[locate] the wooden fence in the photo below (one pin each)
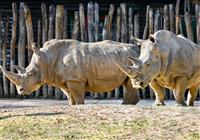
(119, 24)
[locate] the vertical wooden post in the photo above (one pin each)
(130, 24)
(1, 84)
(146, 28)
(90, 16)
(105, 32)
(188, 24)
(37, 93)
(75, 31)
(151, 31)
(171, 17)
(157, 21)
(177, 16)
(82, 23)
(109, 25)
(59, 35)
(136, 25)
(51, 30)
(96, 25)
(118, 26)
(197, 9)
(166, 17)
(22, 37)
(65, 36)
(4, 52)
(44, 39)
(13, 45)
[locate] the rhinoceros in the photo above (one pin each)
(166, 60)
(76, 67)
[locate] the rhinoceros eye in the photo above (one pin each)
(29, 74)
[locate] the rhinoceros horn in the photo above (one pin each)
(19, 69)
(10, 75)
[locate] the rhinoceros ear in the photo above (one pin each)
(36, 50)
(19, 69)
(151, 38)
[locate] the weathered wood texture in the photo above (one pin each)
(177, 16)
(146, 28)
(157, 20)
(1, 84)
(166, 17)
(82, 23)
(124, 22)
(197, 11)
(171, 17)
(151, 19)
(75, 32)
(130, 24)
(13, 46)
(188, 24)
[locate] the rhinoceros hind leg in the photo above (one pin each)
(192, 96)
(159, 93)
(179, 90)
(78, 91)
(132, 95)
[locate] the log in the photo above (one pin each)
(151, 19)
(52, 13)
(37, 93)
(146, 28)
(105, 32)
(124, 22)
(82, 23)
(44, 39)
(177, 16)
(13, 46)
(197, 11)
(110, 18)
(65, 36)
(118, 26)
(59, 35)
(4, 52)
(1, 84)
(130, 24)
(171, 17)
(75, 31)
(166, 17)
(90, 16)
(188, 24)
(136, 25)
(157, 21)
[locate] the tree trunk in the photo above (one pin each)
(197, 9)
(1, 84)
(13, 46)
(151, 31)
(44, 39)
(65, 36)
(37, 93)
(171, 17)
(75, 31)
(52, 13)
(59, 35)
(5, 45)
(146, 28)
(177, 16)
(136, 25)
(109, 25)
(90, 16)
(124, 23)
(130, 24)
(166, 17)
(157, 21)
(188, 24)
(82, 23)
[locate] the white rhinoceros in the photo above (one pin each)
(166, 60)
(76, 67)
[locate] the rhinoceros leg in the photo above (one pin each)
(179, 90)
(78, 91)
(159, 93)
(70, 98)
(132, 95)
(192, 96)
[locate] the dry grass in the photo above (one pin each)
(100, 122)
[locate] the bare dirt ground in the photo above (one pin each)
(97, 119)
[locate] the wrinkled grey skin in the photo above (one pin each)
(76, 67)
(167, 60)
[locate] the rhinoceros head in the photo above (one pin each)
(147, 66)
(27, 79)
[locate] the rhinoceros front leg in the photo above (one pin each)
(132, 95)
(70, 98)
(159, 93)
(179, 90)
(77, 90)
(192, 96)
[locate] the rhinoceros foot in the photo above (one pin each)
(159, 103)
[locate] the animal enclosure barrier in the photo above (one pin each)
(120, 24)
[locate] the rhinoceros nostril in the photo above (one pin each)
(21, 89)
